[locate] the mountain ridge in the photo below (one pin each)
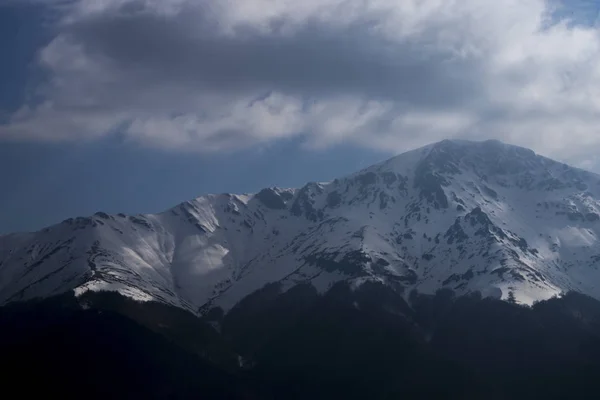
(470, 216)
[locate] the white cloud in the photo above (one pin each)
(217, 75)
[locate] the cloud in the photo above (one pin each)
(220, 75)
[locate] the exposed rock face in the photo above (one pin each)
(271, 199)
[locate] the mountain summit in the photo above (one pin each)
(469, 216)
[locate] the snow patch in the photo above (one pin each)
(102, 286)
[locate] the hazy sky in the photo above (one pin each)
(136, 105)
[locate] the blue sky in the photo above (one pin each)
(136, 105)
(45, 183)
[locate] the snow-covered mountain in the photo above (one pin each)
(469, 216)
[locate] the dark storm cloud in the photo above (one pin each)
(316, 59)
(216, 75)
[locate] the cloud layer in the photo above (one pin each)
(220, 75)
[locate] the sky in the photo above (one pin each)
(136, 105)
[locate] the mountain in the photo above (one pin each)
(461, 270)
(481, 217)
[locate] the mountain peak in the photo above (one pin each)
(484, 158)
(487, 150)
(447, 147)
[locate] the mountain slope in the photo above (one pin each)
(104, 353)
(469, 216)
